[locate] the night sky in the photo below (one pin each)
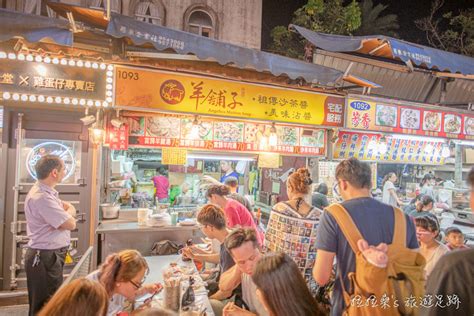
(280, 12)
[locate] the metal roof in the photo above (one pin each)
(392, 48)
(398, 81)
(34, 28)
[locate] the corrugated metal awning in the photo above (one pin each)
(34, 28)
(388, 47)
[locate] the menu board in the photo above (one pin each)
(364, 146)
(174, 156)
(117, 138)
(176, 130)
(379, 116)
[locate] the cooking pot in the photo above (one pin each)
(110, 211)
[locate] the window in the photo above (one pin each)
(200, 23)
(150, 12)
(115, 5)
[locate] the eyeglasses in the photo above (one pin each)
(136, 285)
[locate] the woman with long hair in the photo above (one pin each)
(79, 298)
(236, 213)
(427, 229)
(389, 193)
(122, 274)
(281, 288)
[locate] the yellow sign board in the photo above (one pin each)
(173, 156)
(174, 92)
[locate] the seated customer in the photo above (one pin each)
(211, 219)
(281, 288)
(243, 246)
(122, 275)
(424, 207)
(455, 239)
(79, 298)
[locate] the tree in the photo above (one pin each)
(454, 33)
(373, 23)
(327, 16)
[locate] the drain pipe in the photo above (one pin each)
(14, 225)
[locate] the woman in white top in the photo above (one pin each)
(389, 195)
(427, 229)
(122, 275)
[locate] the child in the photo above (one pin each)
(455, 239)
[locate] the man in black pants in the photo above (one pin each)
(49, 222)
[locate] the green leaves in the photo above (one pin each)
(327, 16)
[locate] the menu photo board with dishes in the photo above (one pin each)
(366, 146)
(384, 117)
(175, 130)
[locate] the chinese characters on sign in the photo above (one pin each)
(211, 96)
(381, 117)
(55, 80)
(172, 130)
(158, 39)
(117, 138)
(174, 156)
(367, 147)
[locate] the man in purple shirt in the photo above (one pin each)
(49, 222)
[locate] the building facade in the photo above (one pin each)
(234, 21)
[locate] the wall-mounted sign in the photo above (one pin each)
(52, 80)
(117, 138)
(382, 116)
(174, 130)
(367, 147)
(195, 94)
(50, 148)
(174, 156)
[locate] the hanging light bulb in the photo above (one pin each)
(273, 139)
(263, 144)
(429, 148)
(195, 128)
(97, 135)
(445, 152)
(382, 146)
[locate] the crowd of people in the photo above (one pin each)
(312, 259)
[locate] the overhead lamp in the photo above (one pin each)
(88, 119)
(195, 128)
(116, 122)
(97, 135)
(429, 148)
(464, 142)
(445, 152)
(263, 144)
(273, 139)
(382, 146)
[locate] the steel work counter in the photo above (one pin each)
(113, 236)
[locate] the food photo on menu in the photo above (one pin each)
(452, 124)
(386, 115)
(410, 118)
(432, 121)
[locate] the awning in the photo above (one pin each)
(224, 53)
(388, 47)
(162, 38)
(34, 28)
